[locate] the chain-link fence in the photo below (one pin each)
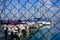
(44, 10)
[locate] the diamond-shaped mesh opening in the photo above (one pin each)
(44, 10)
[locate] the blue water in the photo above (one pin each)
(43, 34)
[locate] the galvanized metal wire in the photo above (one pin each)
(49, 10)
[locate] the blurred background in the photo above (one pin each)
(33, 10)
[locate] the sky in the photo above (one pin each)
(21, 9)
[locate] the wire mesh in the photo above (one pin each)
(48, 10)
